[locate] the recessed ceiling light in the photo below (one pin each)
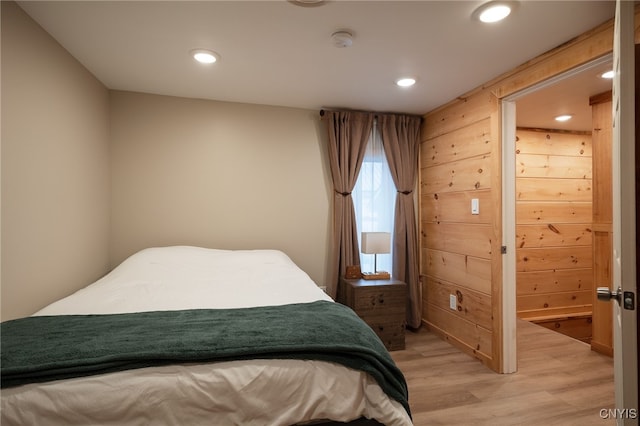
(406, 82)
(205, 56)
(608, 74)
(493, 11)
(565, 117)
(307, 3)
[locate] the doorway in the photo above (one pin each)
(549, 281)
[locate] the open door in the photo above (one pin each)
(623, 294)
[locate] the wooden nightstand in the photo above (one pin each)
(381, 304)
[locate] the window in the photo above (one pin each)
(374, 198)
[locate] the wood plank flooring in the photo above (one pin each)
(560, 381)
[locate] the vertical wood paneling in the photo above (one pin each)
(602, 340)
(602, 137)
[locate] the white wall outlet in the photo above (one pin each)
(453, 302)
(475, 206)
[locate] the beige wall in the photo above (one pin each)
(90, 176)
(55, 175)
(221, 175)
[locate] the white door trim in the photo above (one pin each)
(509, 335)
(625, 344)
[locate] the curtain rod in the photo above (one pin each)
(376, 115)
(322, 112)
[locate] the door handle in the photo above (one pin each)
(627, 299)
(605, 294)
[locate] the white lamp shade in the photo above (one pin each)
(376, 242)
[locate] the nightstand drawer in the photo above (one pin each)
(385, 299)
(391, 333)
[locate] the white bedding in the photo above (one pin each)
(173, 278)
(225, 393)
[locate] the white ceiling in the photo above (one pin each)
(275, 52)
(570, 95)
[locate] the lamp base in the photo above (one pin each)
(379, 275)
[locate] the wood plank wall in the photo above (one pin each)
(554, 250)
(461, 159)
(602, 332)
(456, 166)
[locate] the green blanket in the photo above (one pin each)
(37, 349)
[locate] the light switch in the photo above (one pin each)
(475, 206)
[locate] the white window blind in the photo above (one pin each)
(374, 198)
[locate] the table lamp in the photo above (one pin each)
(376, 243)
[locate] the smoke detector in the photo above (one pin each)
(342, 39)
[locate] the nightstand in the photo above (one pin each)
(381, 304)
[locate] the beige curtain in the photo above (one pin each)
(400, 139)
(348, 136)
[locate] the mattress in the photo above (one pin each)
(245, 392)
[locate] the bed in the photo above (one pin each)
(187, 335)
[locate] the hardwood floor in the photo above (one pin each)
(560, 381)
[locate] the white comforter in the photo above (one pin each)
(257, 392)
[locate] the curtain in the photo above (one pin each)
(400, 138)
(348, 136)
